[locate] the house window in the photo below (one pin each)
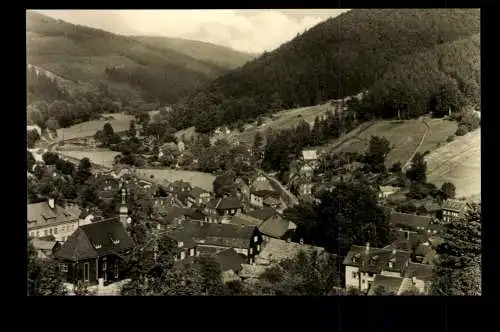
(370, 274)
(191, 252)
(104, 266)
(116, 271)
(363, 281)
(251, 251)
(354, 275)
(390, 265)
(86, 271)
(61, 229)
(55, 230)
(63, 268)
(64, 238)
(183, 255)
(258, 248)
(50, 231)
(255, 238)
(45, 232)
(37, 234)
(407, 235)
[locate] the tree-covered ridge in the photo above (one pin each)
(221, 56)
(336, 58)
(446, 77)
(82, 54)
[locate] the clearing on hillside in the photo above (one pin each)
(458, 162)
(120, 123)
(405, 137)
(103, 157)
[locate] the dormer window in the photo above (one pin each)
(115, 242)
(98, 246)
(391, 265)
(180, 244)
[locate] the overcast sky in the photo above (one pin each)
(251, 30)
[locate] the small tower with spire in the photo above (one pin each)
(123, 206)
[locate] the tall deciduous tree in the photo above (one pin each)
(44, 277)
(448, 190)
(458, 265)
(418, 169)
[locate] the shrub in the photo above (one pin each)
(450, 138)
(462, 130)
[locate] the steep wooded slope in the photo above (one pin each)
(221, 56)
(84, 54)
(336, 58)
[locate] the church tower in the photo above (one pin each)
(124, 218)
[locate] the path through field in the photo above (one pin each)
(459, 162)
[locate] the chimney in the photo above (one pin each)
(367, 248)
(52, 203)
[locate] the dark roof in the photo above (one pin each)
(420, 271)
(270, 201)
(390, 284)
(377, 259)
(225, 203)
(170, 213)
(454, 205)
(41, 214)
(414, 238)
(245, 220)
(96, 240)
(230, 260)
(196, 192)
(265, 193)
(263, 214)
(197, 214)
(182, 236)
(180, 184)
(183, 196)
(409, 220)
(274, 227)
(225, 235)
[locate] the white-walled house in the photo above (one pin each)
(362, 264)
(47, 218)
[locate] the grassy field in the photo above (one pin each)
(121, 122)
(102, 157)
(439, 131)
(458, 162)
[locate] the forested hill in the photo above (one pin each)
(444, 78)
(336, 58)
(221, 56)
(84, 54)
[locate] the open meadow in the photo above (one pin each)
(121, 122)
(459, 162)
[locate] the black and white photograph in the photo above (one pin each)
(253, 152)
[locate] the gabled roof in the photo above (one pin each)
(274, 227)
(182, 237)
(390, 284)
(263, 214)
(245, 220)
(196, 192)
(225, 203)
(96, 240)
(224, 235)
(454, 205)
(376, 260)
(170, 213)
(43, 245)
(230, 260)
(41, 214)
(420, 271)
(409, 220)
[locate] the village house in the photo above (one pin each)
(92, 254)
(245, 240)
(48, 218)
(185, 245)
(272, 224)
(310, 158)
(198, 196)
(453, 208)
(220, 210)
(261, 198)
(409, 222)
(178, 187)
(44, 249)
(172, 215)
(362, 264)
(385, 191)
(421, 276)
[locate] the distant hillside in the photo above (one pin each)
(84, 54)
(338, 57)
(221, 56)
